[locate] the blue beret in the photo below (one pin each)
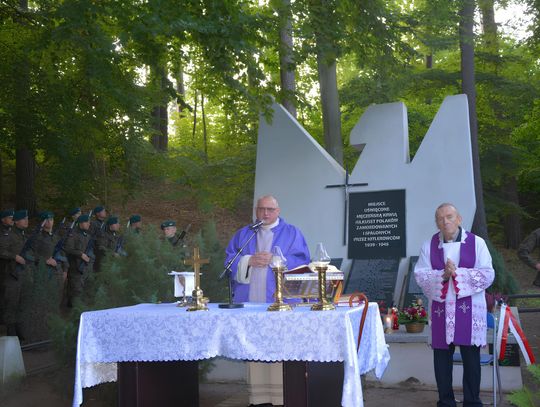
(46, 215)
(20, 214)
(83, 218)
(135, 218)
(168, 223)
(99, 208)
(74, 211)
(6, 213)
(113, 220)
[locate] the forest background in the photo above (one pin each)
(153, 106)
(102, 99)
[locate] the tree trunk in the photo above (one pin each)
(205, 140)
(160, 123)
(512, 220)
(194, 121)
(489, 26)
(330, 106)
(25, 178)
(181, 90)
(466, 44)
(286, 63)
(25, 164)
(1, 182)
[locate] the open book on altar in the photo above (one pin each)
(303, 282)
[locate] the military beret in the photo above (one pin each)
(46, 215)
(99, 208)
(83, 218)
(20, 214)
(168, 223)
(113, 220)
(74, 211)
(134, 218)
(6, 213)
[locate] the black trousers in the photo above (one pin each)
(443, 364)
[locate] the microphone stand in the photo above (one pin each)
(228, 272)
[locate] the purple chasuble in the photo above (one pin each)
(286, 236)
(463, 318)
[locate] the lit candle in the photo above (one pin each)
(388, 324)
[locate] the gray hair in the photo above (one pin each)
(269, 197)
(444, 205)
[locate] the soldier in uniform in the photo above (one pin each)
(44, 245)
(12, 251)
(98, 223)
(169, 232)
(109, 240)
(97, 227)
(135, 223)
(75, 247)
(6, 223)
(67, 226)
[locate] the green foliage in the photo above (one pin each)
(139, 277)
(527, 397)
(40, 299)
(210, 248)
(505, 282)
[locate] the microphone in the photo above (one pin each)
(256, 225)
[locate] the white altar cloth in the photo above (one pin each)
(165, 332)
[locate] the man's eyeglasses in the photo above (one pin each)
(262, 209)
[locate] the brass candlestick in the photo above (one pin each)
(279, 305)
(198, 302)
(323, 304)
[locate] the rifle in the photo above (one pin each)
(119, 249)
(180, 237)
(27, 246)
(89, 251)
(60, 225)
(57, 253)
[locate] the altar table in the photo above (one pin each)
(165, 332)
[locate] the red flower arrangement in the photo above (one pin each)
(414, 313)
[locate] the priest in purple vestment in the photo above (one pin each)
(253, 280)
(453, 270)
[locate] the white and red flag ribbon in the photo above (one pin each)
(507, 321)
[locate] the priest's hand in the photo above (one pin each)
(261, 259)
(85, 257)
(449, 270)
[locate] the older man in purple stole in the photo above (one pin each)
(254, 281)
(457, 301)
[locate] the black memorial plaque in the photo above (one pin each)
(376, 278)
(411, 288)
(377, 225)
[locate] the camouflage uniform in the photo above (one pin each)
(4, 262)
(11, 246)
(108, 241)
(43, 246)
(96, 230)
(75, 246)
